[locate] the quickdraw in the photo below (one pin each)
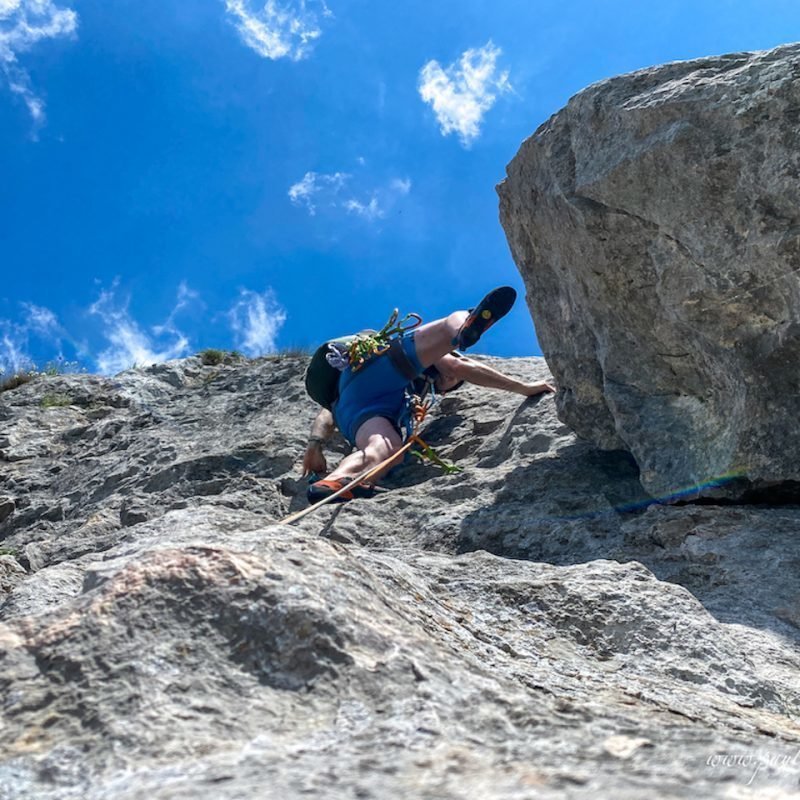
(419, 409)
(427, 453)
(366, 346)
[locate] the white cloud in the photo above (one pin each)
(129, 344)
(13, 344)
(401, 185)
(278, 30)
(369, 210)
(313, 185)
(185, 297)
(23, 24)
(256, 320)
(463, 92)
(40, 319)
(341, 190)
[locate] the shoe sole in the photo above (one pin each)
(362, 492)
(493, 307)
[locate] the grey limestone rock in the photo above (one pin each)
(533, 626)
(11, 573)
(6, 508)
(656, 223)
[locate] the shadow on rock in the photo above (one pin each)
(564, 509)
(586, 504)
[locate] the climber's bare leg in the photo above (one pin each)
(376, 440)
(435, 339)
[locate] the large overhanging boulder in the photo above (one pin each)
(656, 224)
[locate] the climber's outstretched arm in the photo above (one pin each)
(321, 430)
(465, 369)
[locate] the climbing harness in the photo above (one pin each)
(365, 346)
(357, 351)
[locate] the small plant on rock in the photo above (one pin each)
(50, 370)
(60, 367)
(16, 379)
(292, 351)
(213, 357)
(56, 400)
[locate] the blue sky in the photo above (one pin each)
(224, 173)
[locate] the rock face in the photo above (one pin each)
(656, 223)
(529, 627)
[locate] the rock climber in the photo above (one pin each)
(370, 404)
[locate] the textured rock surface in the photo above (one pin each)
(656, 222)
(525, 628)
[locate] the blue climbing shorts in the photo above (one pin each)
(376, 390)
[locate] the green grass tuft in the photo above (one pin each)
(292, 351)
(60, 367)
(213, 357)
(17, 379)
(295, 351)
(56, 400)
(50, 370)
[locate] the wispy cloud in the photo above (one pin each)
(185, 297)
(278, 30)
(129, 343)
(23, 24)
(13, 349)
(15, 337)
(463, 92)
(400, 185)
(370, 210)
(256, 320)
(343, 191)
(41, 320)
(312, 186)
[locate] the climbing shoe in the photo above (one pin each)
(493, 307)
(325, 488)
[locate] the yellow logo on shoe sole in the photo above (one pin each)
(486, 314)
